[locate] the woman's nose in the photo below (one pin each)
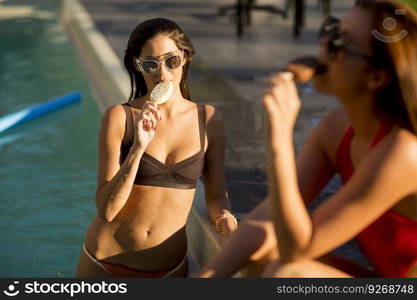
(164, 73)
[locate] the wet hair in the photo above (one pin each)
(141, 34)
(399, 98)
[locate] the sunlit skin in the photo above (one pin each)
(384, 178)
(143, 227)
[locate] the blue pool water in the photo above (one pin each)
(48, 166)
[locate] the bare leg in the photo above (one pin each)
(328, 265)
(253, 243)
(346, 265)
(412, 272)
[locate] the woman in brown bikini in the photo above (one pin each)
(150, 158)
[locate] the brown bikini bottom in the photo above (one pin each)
(124, 272)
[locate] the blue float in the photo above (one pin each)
(33, 112)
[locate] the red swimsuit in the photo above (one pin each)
(390, 242)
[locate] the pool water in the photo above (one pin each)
(48, 166)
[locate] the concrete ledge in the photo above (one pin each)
(204, 241)
(111, 85)
(110, 81)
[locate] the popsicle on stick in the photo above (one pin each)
(304, 68)
(162, 92)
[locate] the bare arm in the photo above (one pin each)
(251, 241)
(115, 181)
(217, 201)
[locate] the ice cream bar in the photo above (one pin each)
(304, 68)
(162, 92)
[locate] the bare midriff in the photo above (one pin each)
(148, 233)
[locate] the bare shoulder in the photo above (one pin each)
(393, 159)
(330, 130)
(214, 118)
(214, 125)
(113, 120)
(401, 145)
(213, 114)
(114, 112)
(406, 138)
(391, 166)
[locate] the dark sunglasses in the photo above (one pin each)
(330, 29)
(153, 65)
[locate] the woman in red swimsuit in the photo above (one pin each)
(150, 158)
(369, 61)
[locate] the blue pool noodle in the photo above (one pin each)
(38, 110)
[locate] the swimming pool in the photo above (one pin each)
(48, 166)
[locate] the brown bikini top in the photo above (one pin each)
(181, 175)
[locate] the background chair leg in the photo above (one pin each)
(325, 7)
(298, 17)
(240, 17)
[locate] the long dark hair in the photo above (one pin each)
(399, 56)
(140, 35)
